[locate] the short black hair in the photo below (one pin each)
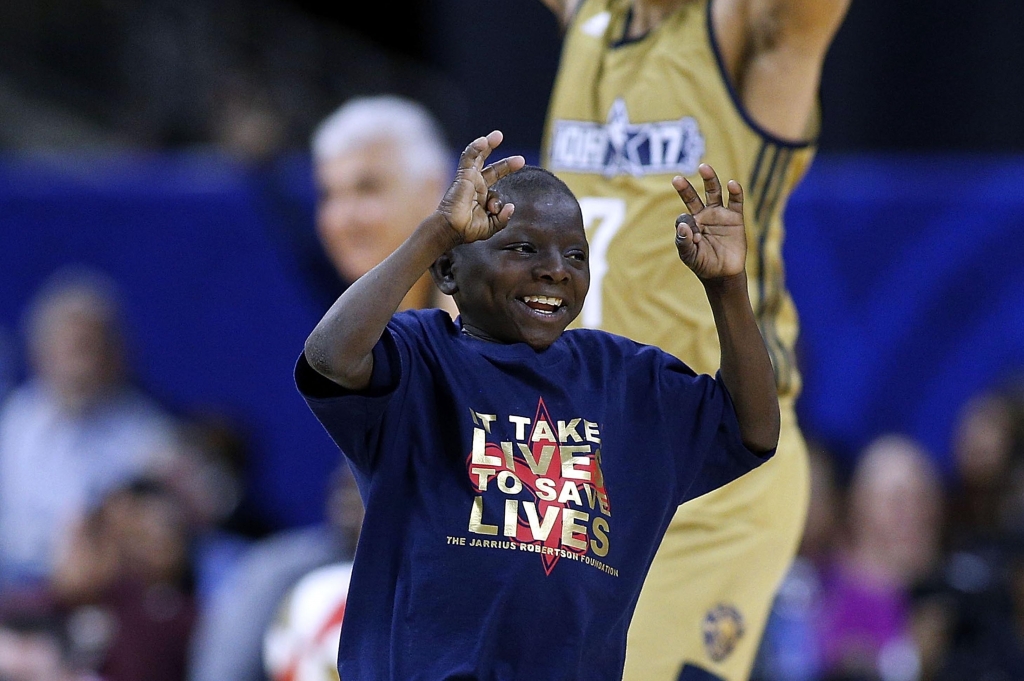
(530, 180)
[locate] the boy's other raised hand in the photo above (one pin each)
(711, 239)
(469, 207)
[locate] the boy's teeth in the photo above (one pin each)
(543, 300)
(543, 304)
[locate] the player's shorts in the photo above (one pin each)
(707, 598)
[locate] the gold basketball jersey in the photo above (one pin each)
(624, 118)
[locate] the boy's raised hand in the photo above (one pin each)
(472, 211)
(711, 239)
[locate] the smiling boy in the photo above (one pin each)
(518, 477)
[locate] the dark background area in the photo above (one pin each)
(901, 76)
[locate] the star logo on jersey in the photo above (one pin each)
(543, 489)
(624, 142)
(621, 147)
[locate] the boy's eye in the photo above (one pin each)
(520, 248)
(577, 255)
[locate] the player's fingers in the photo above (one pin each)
(688, 194)
(712, 187)
(735, 196)
(496, 171)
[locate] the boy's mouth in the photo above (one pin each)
(542, 304)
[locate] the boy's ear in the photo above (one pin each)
(441, 271)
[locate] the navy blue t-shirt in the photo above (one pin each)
(514, 498)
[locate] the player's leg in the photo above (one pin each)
(708, 595)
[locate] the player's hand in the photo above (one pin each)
(471, 209)
(710, 238)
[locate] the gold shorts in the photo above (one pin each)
(709, 592)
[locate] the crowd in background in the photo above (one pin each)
(131, 550)
(122, 521)
(904, 574)
(119, 517)
(129, 545)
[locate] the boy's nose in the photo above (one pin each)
(552, 268)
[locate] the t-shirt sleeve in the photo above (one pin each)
(354, 419)
(718, 442)
(696, 419)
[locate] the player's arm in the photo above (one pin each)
(711, 240)
(341, 346)
(773, 51)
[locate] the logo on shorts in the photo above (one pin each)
(723, 628)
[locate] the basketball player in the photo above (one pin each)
(647, 89)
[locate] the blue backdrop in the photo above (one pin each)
(909, 277)
(908, 272)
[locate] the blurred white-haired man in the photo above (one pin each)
(381, 165)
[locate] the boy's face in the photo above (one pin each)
(527, 282)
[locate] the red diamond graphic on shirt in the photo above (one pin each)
(537, 463)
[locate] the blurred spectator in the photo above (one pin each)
(127, 571)
(301, 643)
(985, 505)
(228, 643)
(893, 542)
(76, 428)
(972, 616)
(208, 473)
(36, 647)
(368, 205)
(360, 196)
(382, 164)
(979, 630)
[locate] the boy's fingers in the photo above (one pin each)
(506, 213)
(496, 171)
(686, 229)
(735, 196)
(491, 142)
(474, 155)
(688, 194)
(686, 225)
(494, 138)
(493, 204)
(712, 187)
(471, 154)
